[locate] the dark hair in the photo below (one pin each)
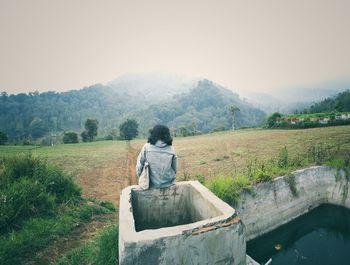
(160, 132)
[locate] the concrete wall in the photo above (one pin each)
(269, 205)
(177, 205)
(212, 232)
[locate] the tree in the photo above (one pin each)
(70, 138)
(3, 138)
(85, 137)
(272, 119)
(233, 110)
(129, 129)
(91, 126)
(37, 128)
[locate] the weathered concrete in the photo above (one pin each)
(270, 205)
(250, 261)
(182, 224)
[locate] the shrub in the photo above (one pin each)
(229, 188)
(128, 129)
(85, 137)
(319, 153)
(27, 142)
(70, 138)
(30, 187)
(3, 138)
(86, 212)
(262, 175)
(200, 178)
(107, 204)
(23, 199)
(283, 157)
(57, 182)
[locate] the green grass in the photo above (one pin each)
(226, 162)
(18, 246)
(39, 203)
(74, 158)
(229, 188)
(102, 250)
(315, 115)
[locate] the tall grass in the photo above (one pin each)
(228, 188)
(29, 187)
(38, 204)
(102, 250)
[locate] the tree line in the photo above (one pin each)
(37, 116)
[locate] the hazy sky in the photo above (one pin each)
(254, 45)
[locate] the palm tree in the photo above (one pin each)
(233, 110)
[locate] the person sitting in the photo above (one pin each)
(161, 157)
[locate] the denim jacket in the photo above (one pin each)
(162, 163)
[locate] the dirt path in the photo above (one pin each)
(105, 181)
(131, 165)
(80, 235)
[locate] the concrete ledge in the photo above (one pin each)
(201, 228)
(273, 204)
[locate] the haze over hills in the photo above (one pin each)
(289, 99)
(156, 86)
(153, 86)
(198, 106)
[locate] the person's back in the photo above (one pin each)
(160, 155)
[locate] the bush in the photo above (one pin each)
(86, 212)
(129, 129)
(27, 142)
(107, 204)
(229, 188)
(70, 138)
(262, 174)
(30, 187)
(85, 137)
(3, 138)
(23, 199)
(283, 157)
(57, 182)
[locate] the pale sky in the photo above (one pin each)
(247, 45)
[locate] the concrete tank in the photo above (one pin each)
(179, 225)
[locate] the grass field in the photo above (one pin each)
(222, 160)
(104, 168)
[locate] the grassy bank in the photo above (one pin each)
(101, 250)
(39, 204)
(104, 168)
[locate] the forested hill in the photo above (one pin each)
(203, 107)
(339, 103)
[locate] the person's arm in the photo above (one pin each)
(140, 161)
(174, 163)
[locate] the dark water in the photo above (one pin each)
(320, 237)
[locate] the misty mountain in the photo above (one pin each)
(201, 107)
(154, 86)
(287, 100)
(338, 103)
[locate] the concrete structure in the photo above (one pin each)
(187, 224)
(179, 225)
(272, 204)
